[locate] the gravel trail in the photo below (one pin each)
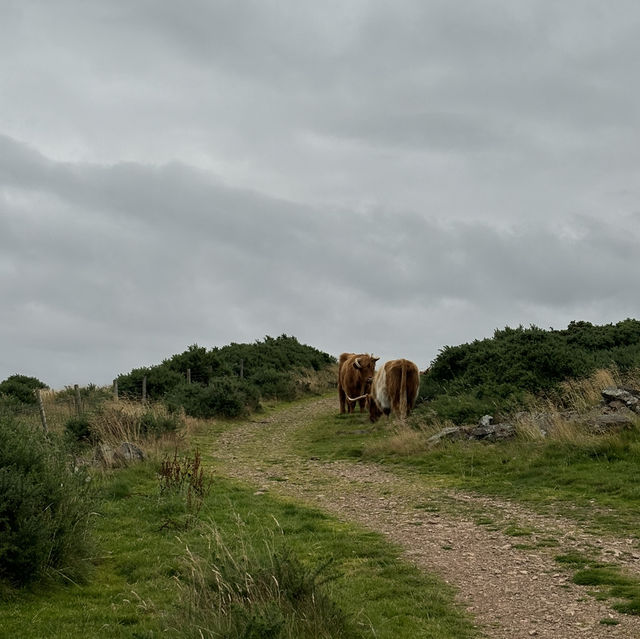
(511, 585)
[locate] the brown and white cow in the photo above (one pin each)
(394, 388)
(355, 373)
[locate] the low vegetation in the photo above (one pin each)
(585, 473)
(247, 566)
(500, 374)
(230, 381)
(20, 389)
(45, 507)
(608, 581)
(166, 548)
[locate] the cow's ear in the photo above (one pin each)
(374, 359)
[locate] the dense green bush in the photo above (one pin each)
(21, 387)
(274, 384)
(224, 396)
(496, 374)
(78, 428)
(266, 368)
(160, 380)
(44, 509)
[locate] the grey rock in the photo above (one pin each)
(451, 433)
(628, 396)
(612, 422)
(493, 432)
(127, 453)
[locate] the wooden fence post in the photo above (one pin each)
(115, 389)
(188, 376)
(241, 369)
(78, 400)
(144, 389)
(43, 417)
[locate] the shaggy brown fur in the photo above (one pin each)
(394, 388)
(355, 373)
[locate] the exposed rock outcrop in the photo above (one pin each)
(619, 410)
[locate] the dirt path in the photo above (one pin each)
(511, 585)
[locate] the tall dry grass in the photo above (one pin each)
(316, 382)
(581, 395)
(559, 416)
(257, 588)
(128, 421)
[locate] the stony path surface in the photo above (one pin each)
(512, 591)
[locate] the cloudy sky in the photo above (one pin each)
(388, 177)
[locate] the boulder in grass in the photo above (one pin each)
(128, 453)
(630, 397)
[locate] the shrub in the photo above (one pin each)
(496, 374)
(160, 380)
(21, 388)
(224, 396)
(78, 428)
(274, 384)
(272, 361)
(44, 509)
(132, 422)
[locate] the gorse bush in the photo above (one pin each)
(21, 388)
(274, 384)
(499, 373)
(78, 428)
(154, 424)
(44, 509)
(243, 372)
(224, 396)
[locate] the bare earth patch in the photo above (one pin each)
(510, 584)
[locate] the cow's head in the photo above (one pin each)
(366, 367)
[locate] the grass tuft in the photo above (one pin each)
(258, 588)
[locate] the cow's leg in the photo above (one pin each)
(343, 398)
(362, 403)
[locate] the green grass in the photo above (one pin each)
(141, 568)
(609, 580)
(339, 436)
(595, 481)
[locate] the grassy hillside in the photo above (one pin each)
(230, 381)
(499, 374)
(177, 554)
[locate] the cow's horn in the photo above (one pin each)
(355, 399)
(357, 363)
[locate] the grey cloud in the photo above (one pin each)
(171, 234)
(216, 172)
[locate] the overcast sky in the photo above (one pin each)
(386, 177)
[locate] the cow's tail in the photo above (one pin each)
(403, 391)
